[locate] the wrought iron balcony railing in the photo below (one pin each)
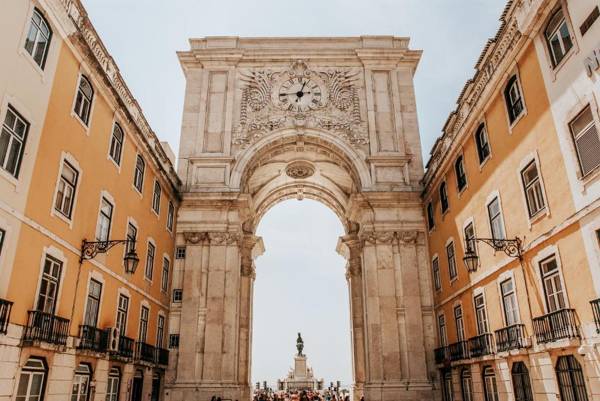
(42, 326)
(481, 345)
(162, 356)
(596, 309)
(145, 352)
(556, 326)
(5, 308)
(441, 355)
(511, 337)
(125, 348)
(92, 338)
(458, 351)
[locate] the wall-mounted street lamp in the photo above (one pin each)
(511, 247)
(89, 249)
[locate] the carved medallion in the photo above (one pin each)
(299, 170)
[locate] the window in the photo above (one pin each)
(470, 242)
(122, 311)
(180, 252)
(164, 283)
(444, 197)
(104, 220)
(466, 383)
(509, 302)
(81, 383)
(12, 141)
(442, 329)
(514, 99)
(533, 189)
(490, 389)
(177, 295)
(483, 145)
(170, 216)
(116, 144)
(32, 380)
(571, 381)
(521, 382)
(131, 237)
(430, 220)
(451, 260)
(156, 197)
(83, 100)
(174, 341)
(558, 37)
(553, 289)
(112, 387)
(65, 193)
(480, 314)
(447, 389)
(435, 266)
(495, 215)
(49, 285)
(138, 174)
(458, 320)
(587, 141)
(160, 331)
(461, 175)
(150, 261)
(38, 38)
(93, 303)
(143, 324)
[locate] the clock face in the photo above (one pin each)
(300, 94)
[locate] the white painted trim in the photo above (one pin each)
(488, 200)
(65, 156)
(592, 247)
(504, 276)
(543, 254)
(156, 212)
(150, 240)
(94, 275)
(133, 222)
(110, 136)
(105, 194)
(57, 254)
(84, 70)
(482, 121)
(514, 71)
(532, 157)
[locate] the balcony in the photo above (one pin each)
(145, 352)
(596, 309)
(92, 339)
(481, 345)
(125, 348)
(5, 307)
(511, 337)
(162, 356)
(42, 326)
(441, 355)
(458, 351)
(556, 326)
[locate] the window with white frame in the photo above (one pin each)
(490, 388)
(481, 314)
(180, 252)
(587, 140)
(81, 383)
(150, 261)
(116, 144)
(160, 331)
(156, 197)
(65, 192)
(164, 283)
(571, 380)
(138, 174)
(466, 382)
(143, 331)
(459, 323)
(442, 330)
(170, 216)
(509, 302)
(553, 288)
(93, 303)
(447, 390)
(122, 312)
(174, 341)
(48, 292)
(32, 380)
(450, 252)
(177, 295)
(532, 186)
(38, 38)
(435, 266)
(113, 384)
(558, 37)
(131, 237)
(496, 221)
(483, 144)
(104, 220)
(514, 99)
(470, 242)
(12, 141)
(444, 197)
(461, 175)
(83, 100)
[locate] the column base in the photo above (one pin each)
(401, 391)
(205, 391)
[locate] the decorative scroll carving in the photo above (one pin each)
(408, 237)
(223, 238)
(247, 243)
(299, 170)
(378, 237)
(261, 110)
(194, 237)
(354, 244)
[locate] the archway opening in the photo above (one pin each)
(301, 287)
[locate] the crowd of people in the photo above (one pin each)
(324, 395)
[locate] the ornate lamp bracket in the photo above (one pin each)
(89, 249)
(511, 247)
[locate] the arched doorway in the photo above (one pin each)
(356, 150)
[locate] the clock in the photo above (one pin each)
(300, 94)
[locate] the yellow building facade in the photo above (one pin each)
(513, 258)
(81, 317)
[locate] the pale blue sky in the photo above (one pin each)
(143, 36)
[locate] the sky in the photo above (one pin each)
(143, 36)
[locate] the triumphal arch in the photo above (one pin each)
(331, 119)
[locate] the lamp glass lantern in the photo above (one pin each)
(131, 261)
(471, 260)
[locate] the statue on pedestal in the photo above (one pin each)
(299, 345)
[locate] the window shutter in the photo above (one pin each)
(588, 148)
